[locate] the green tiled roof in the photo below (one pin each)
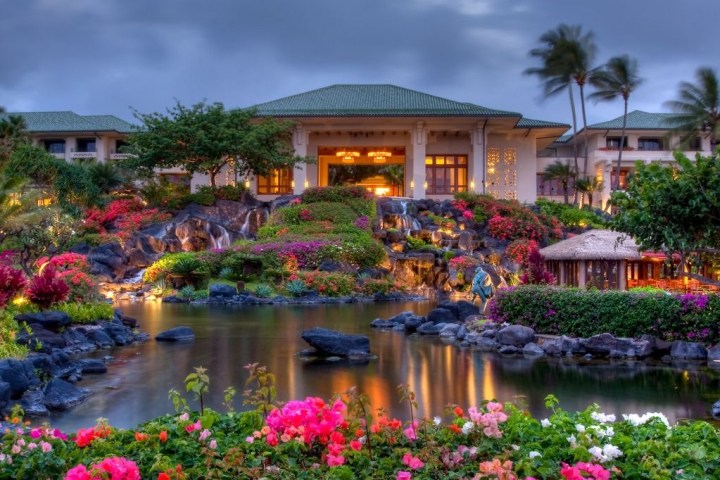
(39, 122)
(637, 120)
(532, 123)
(372, 101)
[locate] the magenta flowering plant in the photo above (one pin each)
(111, 468)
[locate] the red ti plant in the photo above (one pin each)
(47, 288)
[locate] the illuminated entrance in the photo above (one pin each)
(380, 170)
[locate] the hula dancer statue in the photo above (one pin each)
(482, 287)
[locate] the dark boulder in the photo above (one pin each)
(466, 309)
(222, 291)
(98, 336)
(50, 320)
(442, 315)
(383, 324)
(41, 339)
(688, 350)
(485, 344)
(428, 328)
(4, 394)
(714, 355)
(331, 342)
(452, 306)
(516, 335)
(19, 374)
(532, 350)
(61, 395)
(92, 365)
(118, 333)
(508, 350)
(605, 344)
(177, 334)
(174, 299)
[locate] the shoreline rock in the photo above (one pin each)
(45, 380)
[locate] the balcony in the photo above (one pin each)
(120, 156)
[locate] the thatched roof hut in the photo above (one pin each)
(597, 258)
(594, 245)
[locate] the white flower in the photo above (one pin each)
(545, 422)
(596, 452)
(437, 420)
(636, 419)
(572, 440)
(534, 454)
(515, 447)
(603, 432)
(580, 428)
(611, 452)
(602, 417)
(467, 427)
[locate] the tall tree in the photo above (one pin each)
(563, 173)
(566, 55)
(13, 132)
(618, 78)
(589, 186)
(674, 208)
(697, 108)
(205, 138)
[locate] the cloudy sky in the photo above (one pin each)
(108, 56)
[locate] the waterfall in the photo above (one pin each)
(254, 219)
(137, 278)
(218, 236)
(403, 204)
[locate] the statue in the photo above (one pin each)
(482, 287)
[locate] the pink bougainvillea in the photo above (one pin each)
(111, 468)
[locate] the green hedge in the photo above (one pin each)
(567, 311)
(335, 212)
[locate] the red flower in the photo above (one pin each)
(163, 436)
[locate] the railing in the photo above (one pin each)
(674, 285)
(120, 156)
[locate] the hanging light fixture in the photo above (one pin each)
(379, 156)
(348, 156)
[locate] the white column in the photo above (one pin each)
(70, 147)
(100, 149)
(477, 159)
(300, 145)
(419, 148)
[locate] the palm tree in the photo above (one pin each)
(698, 107)
(561, 172)
(618, 78)
(588, 186)
(567, 56)
(395, 176)
(13, 131)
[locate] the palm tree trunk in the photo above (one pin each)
(584, 119)
(622, 145)
(574, 122)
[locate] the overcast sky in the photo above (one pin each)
(106, 56)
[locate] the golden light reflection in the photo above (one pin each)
(488, 391)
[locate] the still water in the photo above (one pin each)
(139, 376)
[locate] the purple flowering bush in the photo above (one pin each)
(569, 311)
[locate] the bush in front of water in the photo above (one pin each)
(339, 439)
(583, 313)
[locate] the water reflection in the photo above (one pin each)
(135, 389)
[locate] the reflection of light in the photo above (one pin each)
(488, 384)
(472, 185)
(307, 184)
(412, 183)
(292, 183)
(379, 191)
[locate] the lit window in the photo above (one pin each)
(277, 182)
(613, 143)
(446, 174)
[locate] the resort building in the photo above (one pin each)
(396, 141)
(648, 138)
(74, 137)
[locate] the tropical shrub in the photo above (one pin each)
(213, 260)
(230, 192)
(47, 288)
(334, 194)
(371, 286)
(463, 262)
(12, 283)
(9, 329)
(307, 253)
(570, 311)
(203, 196)
(295, 288)
(161, 268)
(264, 291)
(123, 217)
(519, 250)
(535, 272)
(335, 212)
(242, 266)
(89, 312)
(332, 284)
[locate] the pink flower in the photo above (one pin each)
(250, 439)
(45, 447)
(410, 432)
(413, 462)
(213, 444)
(204, 434)
(355, 445)
(403, 475)
(335, 460)
(78, 473)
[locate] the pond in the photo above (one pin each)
(135, 389)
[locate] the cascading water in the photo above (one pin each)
(254, 219)
(218, 236)
(402, 221)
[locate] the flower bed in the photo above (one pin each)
(314, 439)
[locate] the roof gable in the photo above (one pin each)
(372, 101)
